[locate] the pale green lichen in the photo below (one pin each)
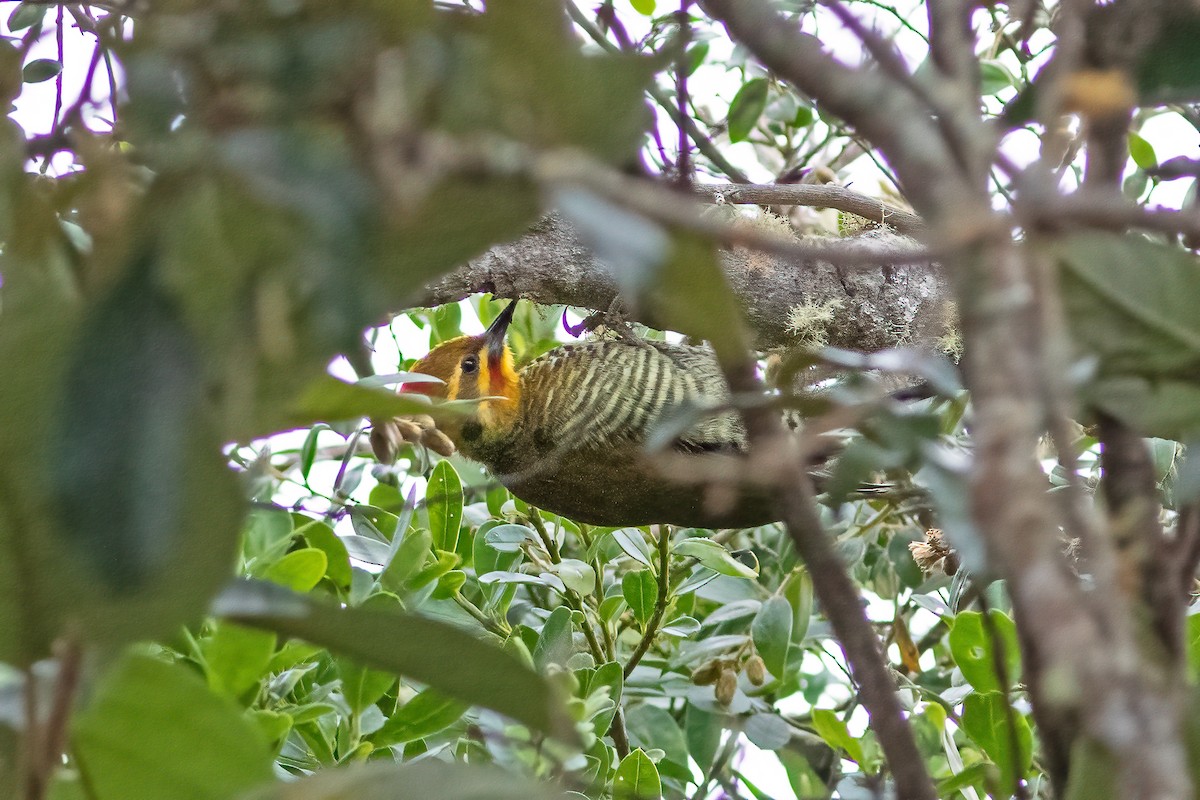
(770, 224)
(950, 342)
(809, 323)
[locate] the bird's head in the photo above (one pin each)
(474, 368)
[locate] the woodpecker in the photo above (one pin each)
(568, 432)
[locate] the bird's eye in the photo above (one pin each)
(470, 364)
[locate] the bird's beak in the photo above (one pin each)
(496, 331)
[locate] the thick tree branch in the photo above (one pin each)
(1070, 637)
(839, 596)
(902, 304)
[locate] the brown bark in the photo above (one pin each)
(890, 306)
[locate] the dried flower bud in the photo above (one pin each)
(756, 670)
(934, 554)
(726, 687)
(707, 673)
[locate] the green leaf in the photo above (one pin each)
(440, 655)
(703, 730)
(1142, 152)
(26, 15)
(833, 730)
(420, 781)
(508, 538)
(424, 715)
(640, 590)
(131, 399)
(133, 744)
(328, 400)
(975, 653)
(1165, 408)
(300, 570)
(1193, 643)
(568, 98)
(577, 575)
(362, 687)
(745, 109)
(651, 727)
(1094, 771)
(273, 726)
(268, 535)
(236, 658)
(1128, 305)
(414, 550)
(554, 645)
(367, 549)
(443, 562)
(772, 634)
(985, 721)
(994, 77)
(337, 559)
(446, 322)
(636, 778)
(681, 627)
(1127, 300)
(713, 556)
(612, 676)
(1166, 67)
(1134, 185)
(308, 451)
(797, 589)
(695, 298)
(633, 543)
(974, 775)
(804, 777)
(444, 499)
(114, 467)
(767, 731)
(643, 7)
(41, 69)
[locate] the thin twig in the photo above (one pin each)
(575, 603)
(480, 617)
(62, 65)
(660, 603)
(816, 195)
(684, 162)
(838, 595)
(703, 143)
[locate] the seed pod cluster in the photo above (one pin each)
(726, 687)
(756, 670)
(707, 673)
(722, 675)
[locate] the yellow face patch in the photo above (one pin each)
(493, 377)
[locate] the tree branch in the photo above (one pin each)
(900, 304)
(819, 195)
(840, 600)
